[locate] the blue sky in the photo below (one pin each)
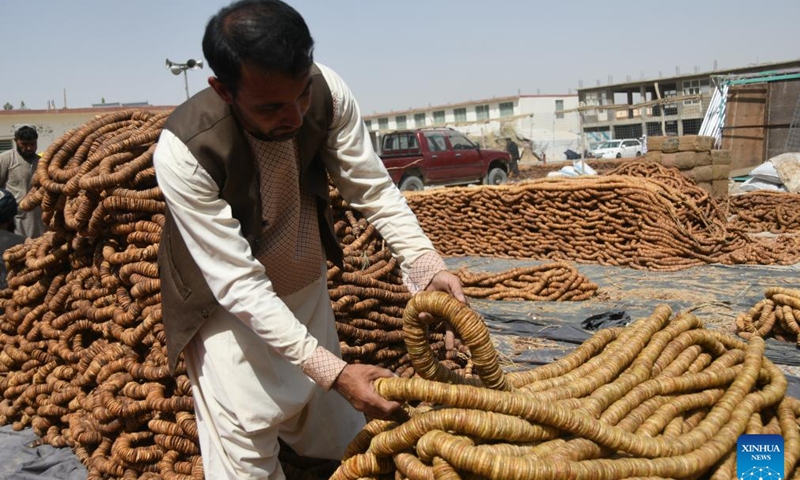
(394, 55)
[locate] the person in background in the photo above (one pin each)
(17, 167)
(8, 211)
(244, 168)
(513, 151)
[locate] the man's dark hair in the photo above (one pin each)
(8, 206)
(26, 133)
(268, 34)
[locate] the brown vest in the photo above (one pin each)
(207, 127)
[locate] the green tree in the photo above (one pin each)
(8, 106)
(22, 105)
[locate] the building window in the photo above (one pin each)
(419, 120)
(692, 126)
(482, 112)
(383, 123)
(401, 122)
(559, 108)
(654, 129)
(368, 124)
(6, 144)
(669, 91)
(438, 117)
(506, 109)
(460, 114)
(628, 131)
(694, 87)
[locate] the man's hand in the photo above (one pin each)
(446, 282)
(355, 385)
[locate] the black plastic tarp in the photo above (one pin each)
(714, 293)
(22, 459)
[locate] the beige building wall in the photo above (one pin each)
(52, 124)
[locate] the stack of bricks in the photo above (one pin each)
(695, 157)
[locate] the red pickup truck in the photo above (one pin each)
(440, 156)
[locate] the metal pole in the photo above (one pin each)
(186, 83)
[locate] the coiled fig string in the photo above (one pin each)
(548, 282)
(776, 212)
(661, 398)
(775, 316)
(83, 309)
(673, 178)
(611, 220)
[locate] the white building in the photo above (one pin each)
(549, 121)
(53, 123)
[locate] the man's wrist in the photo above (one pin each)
(323, 367)
(423, 270)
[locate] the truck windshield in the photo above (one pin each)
(460, 142)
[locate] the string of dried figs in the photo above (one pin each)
(662, 398)
(776, 212)
(775, 316)
(611, 220)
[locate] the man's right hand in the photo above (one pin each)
(355, 385)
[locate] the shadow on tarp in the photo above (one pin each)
(714, 293)
(21, 461)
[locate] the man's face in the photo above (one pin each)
(269, 105)
(26, 148)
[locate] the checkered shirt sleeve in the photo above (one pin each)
(323, 367)
(423, 270)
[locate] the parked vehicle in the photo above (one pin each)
(440, 156)
(626, 147)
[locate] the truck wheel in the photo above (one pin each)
(619, 155)
(411, 184)
(496, 176)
